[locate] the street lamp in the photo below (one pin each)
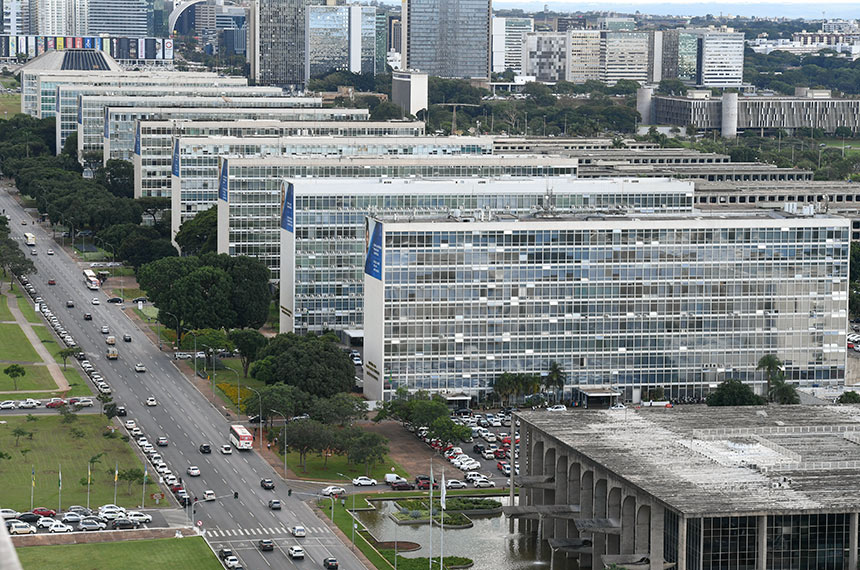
(285, 448)
(260, 416)
(178, 332)
(352, 513)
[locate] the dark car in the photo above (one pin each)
(52, 281)
(478, 448)
(126, 337)
(205, 448)
(123, 524)
(121, 411)
(267, 484)
(402, 486)
(184, 501)
(255, 419)
(88, 317)
(425, 484)
(140, 299)
(266, 544)
(70, 304)
(115, 300)
(330, 563)
(225, 553)
(420, 478)
(29, 517)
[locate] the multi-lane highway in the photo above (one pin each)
(182, 415)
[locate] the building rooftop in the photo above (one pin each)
(703, 461)
(73, 60)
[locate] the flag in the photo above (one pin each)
(144, 474)
(116, 473)
(89, 473)
(442, 498)
(61, 478)
(34, 477)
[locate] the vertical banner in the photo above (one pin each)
(60, 44)
(373, 248)
(137, 139)
(223, 181)
(88, 43)
(52, 43)
(288, 211)
(176, 157)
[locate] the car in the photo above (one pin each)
(267, 484)
(330, 563)
(182, 356)
(8, 405)
(225, 553)
(73, 518)
(126, 338)
(88, 316)
(112, 515)
(84, 403)
(19, 527)
(44, 522)
(123, 523)
(209, 495)
(296, 552)
(44, 512)
(364, 481)
(50, 252)
(52, 281)
(402, 486)
(130, 424)
(34, 252)
(488, 454)
(23, 222)
(332, 490)
(141, 441)
(298, 531)
(618, 406)
(425, 484)
(70, 304)
(56, 403)
(31, 518)
(28, 404)
(356, 360)
(502, 464)
(105, 329)
(151, 401)
(205, 448)
(138, 517)
(9, 514)
(193, 471)
(90, 524)
(83, 511)
(95, 518)
(140, 300)
(557, 408)
(95, 301)
(226, 450)
(266, 544)
(161, 442)
(275, 505)
(139, 367)
(455, 484)
(231, 562)
(59, 527)
(116, 300)
(148, 449)
(484, 483)
(121, 411)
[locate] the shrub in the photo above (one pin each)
(231, 392)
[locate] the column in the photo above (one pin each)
(852, 540)
(656, 537)
(682, 544)
(761, 539)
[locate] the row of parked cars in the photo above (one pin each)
(77, 518)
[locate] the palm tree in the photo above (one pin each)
(782, 392)
(556, 377)
(773, 371)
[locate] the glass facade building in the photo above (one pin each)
(341, 38)
(322, 255)
(679, 303)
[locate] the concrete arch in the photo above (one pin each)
(600, 498)
(178, 10)
(643, 529)
(561, 494)
(628, 525)
(573, 493)
(586, 498)
(613, 511)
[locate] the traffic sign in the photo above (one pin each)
(199, 523)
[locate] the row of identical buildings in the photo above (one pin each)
(455, 259)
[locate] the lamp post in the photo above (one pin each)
(260, 416)
(178, 331)
(352, 512)
(285, 449)
(113, 259)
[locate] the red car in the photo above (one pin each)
(175, 488)
(402, 486)
(55, 403)
(425, 484)
(501, 464)
(44, 512)
(52, 282)
(501, 453)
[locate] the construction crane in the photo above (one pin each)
(454, 112)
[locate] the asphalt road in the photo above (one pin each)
(183, 415)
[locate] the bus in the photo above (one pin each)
(240, 437)
(90, 280)
(29, 239)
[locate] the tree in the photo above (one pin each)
(734, 393)
(444, 429)
(304, 436)
(110, 410)
(781, 392)
(138, 250)
(539, 93)
(67, 352)
(4, 455)
(250, 296)
(773, 368)
(556, 377)
(152, 205)
(118, 177)
(367, 448)
(105, 400)
(386, 111)
(68, 414)
(342, 408)
(505, 386)
(672, 87)
(284, 399)
(199, 235)
(425, 412)
(14, 371)
(249, 343)
(18, 433)
(213, 339)
(202, 298)
(850, 397)
(131, 476)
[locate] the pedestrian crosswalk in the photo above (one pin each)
(261, 531)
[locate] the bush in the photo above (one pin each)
(231, 392)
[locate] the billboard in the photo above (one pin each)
(223, 181)
(288, 211)
(149, 48)
(373, 248)
(175, 154)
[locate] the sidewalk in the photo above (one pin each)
(44, 354)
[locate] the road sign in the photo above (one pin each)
(199, 523)
(157, 496)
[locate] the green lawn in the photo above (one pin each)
(228, 376)
(54, 446)
(36, 378)
(27, 308)
(344, 521)
(14, 345)
(5, 314)
(190, 553)
(337, 464)
(10, 104)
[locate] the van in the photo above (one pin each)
(391, 478)
(112, 353)
(111, 340)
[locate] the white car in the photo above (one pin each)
(96, 301)
(471, 465)
(557, 408)
(19, 527)
(59, 527)
(85, 403)
(135, 431)
(151, 401)
(298, 531)
(484, 482)
(226, 450)
(105, 329)
(170, 479)
(29, 404)
(618, 406)
(209, 495)
(142, 441)
(231, 562)
(193, 471)
(332, 490)
(50, 252)
(8, 405)
(148, 449)
(139, 367)
(162, 468)
(455, 484)
(364, 481)
(45, 522)
(138, 517)
(472, 476)
(296, 552)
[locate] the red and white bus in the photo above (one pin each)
(90, 280)
(241, 438)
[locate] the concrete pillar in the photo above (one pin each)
(656, 552)
(573, 493)
(549, 494)
(643, 529)
(561, 495)
(586, 497)
(682, 544)
(628, 525)
(644, 104)
(761, 540)
(599, 510)
(852, 541)
(729, 119)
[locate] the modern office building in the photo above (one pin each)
(323, 228)
(249, 203)
(507, 43)
(194, 180)
(705, 57)
(16, 18)
(447, 39)
(808, 108)
(409, 90)
(92, 110)
(157, 127)
(546, 56)
(116, 18)
(584, 55)
(625, 55)
(277, 42)
(680, 302)
(616, 24)
(744, 488)
(340, 38)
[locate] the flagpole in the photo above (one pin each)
(89, 478)
(143, 494)
(33, 487)
(441, 526)
(115, 478)
(60, 500)
(431, 514)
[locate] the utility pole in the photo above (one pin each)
(454, 112)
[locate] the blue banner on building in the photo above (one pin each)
(373, 248)
(137, 139)
(175, 156)
(222, 181)
(288, 211)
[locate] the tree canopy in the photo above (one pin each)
(199, 235)
(733, 392)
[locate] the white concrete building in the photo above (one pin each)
(409, 90)
(507, 42)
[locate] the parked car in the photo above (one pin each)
(402, 486)
(123, 523)
(557, 408)
(9, 514)
(59, 527)
(90, 524)
(364, 481)
(138, 517)
(73, 518)
(19, 527)
(44, 512)
(483, 483)
(225, 553)
(455, 484)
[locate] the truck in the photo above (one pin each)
(112, 353)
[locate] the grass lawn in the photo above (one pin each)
(10, 104)
(27, 308)
(190, 553)
(227, 376)
(36, 378)
(337, 464)
(5, 314)
(77, 385)
(54, 446)
(344, 521)
(14, 345)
